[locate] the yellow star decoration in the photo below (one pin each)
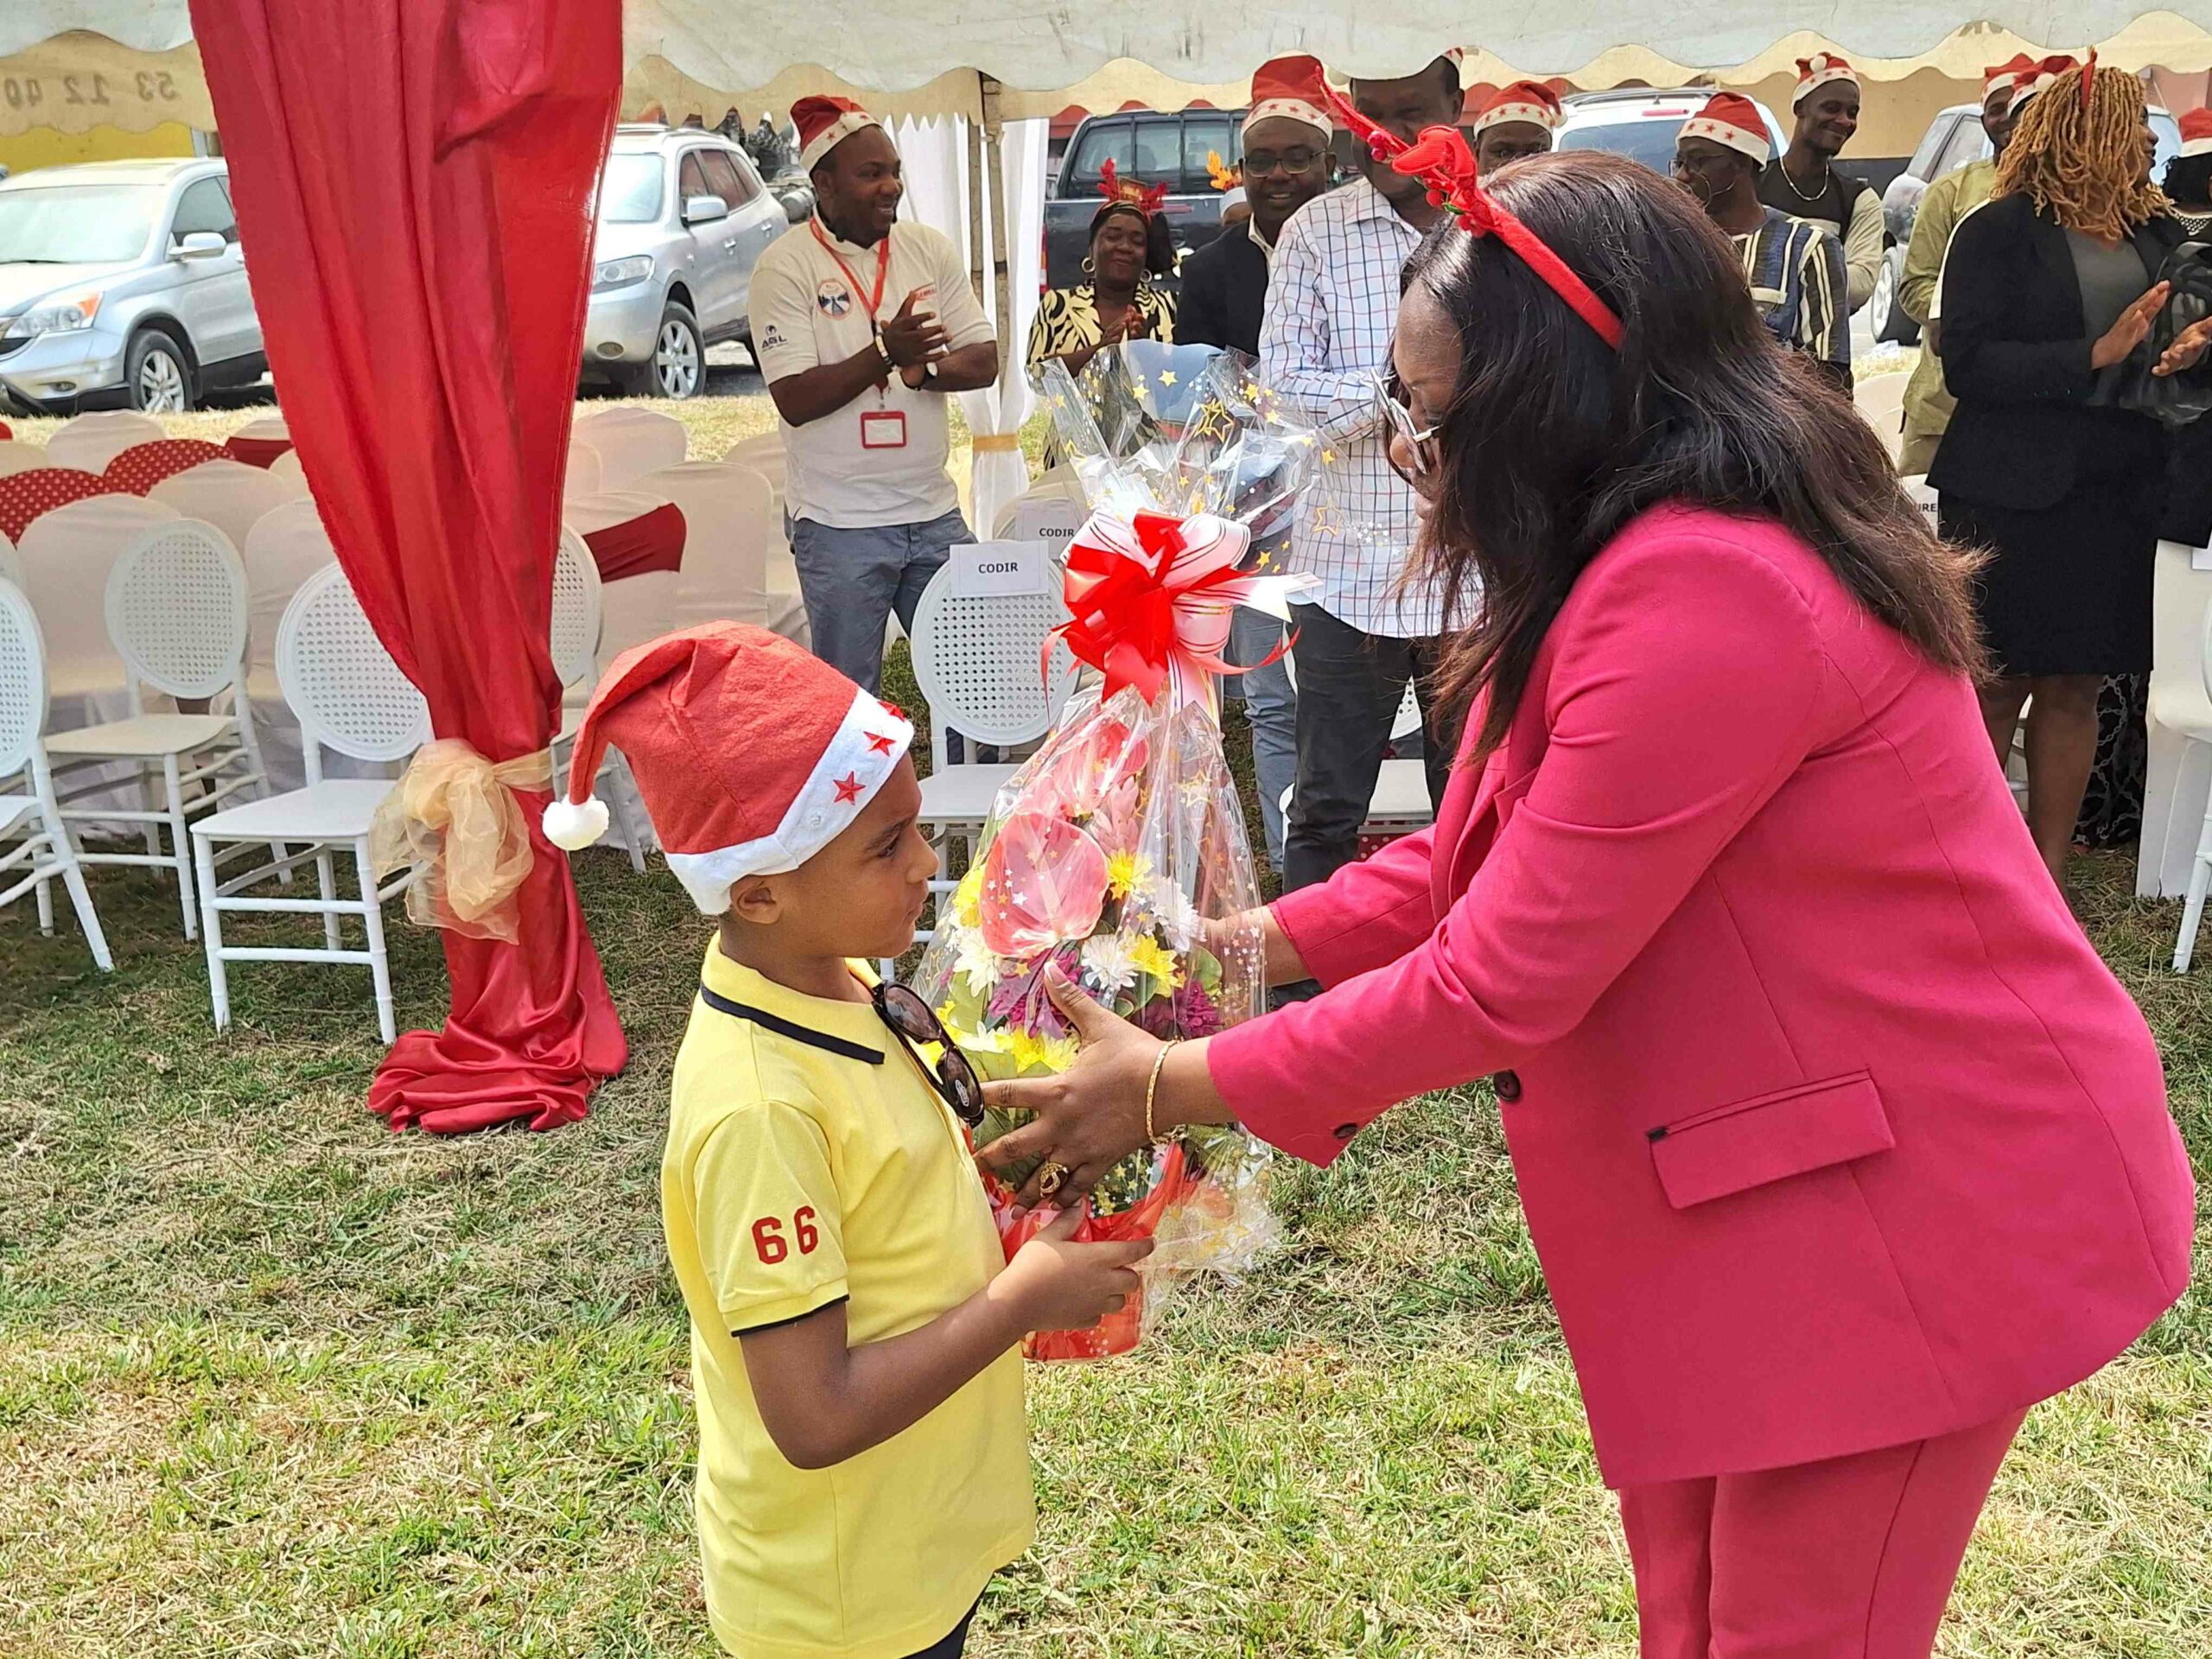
(1328, 457)
(1167, 377)
(1156, 961)
(966, 898)
(1266, 559)
(1137, 385)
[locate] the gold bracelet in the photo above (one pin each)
(1151, 1089)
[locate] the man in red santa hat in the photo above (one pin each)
(1803, 182)
(1795, 266)
(1518, 120)
(863, 325)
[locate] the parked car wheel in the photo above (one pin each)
(678, 366)
(159, 380)
(1885, 314)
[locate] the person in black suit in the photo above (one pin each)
(2047, 290)
(1225, 296)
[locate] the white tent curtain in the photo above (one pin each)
(935, 156)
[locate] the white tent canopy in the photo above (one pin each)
(76, 64)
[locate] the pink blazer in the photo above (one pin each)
(1832, 1129)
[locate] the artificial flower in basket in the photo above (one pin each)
(1117, 852)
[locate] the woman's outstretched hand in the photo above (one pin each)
(2187, 351)
(1090, 1116)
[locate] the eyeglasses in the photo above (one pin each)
(1395, 414)
(915, 1022)
(1295, 160)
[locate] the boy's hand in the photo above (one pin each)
(1056, 1284)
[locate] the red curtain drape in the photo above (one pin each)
(413, 180)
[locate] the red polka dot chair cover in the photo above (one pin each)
(138, 468)
(25, 496)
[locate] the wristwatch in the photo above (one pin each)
(929, 370)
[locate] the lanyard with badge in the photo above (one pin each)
(882, 428)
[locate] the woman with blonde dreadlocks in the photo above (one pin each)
(2048, 292)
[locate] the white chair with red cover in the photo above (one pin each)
(176, 613)
(728, 513)
(34, 843)
(631, 440)
(349, 696)
(88, 443)
(636, 609)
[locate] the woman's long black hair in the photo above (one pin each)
(1554, 443)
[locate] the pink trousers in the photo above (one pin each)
(1850, 1559)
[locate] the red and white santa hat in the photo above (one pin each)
(1731, 119)
(1817, 71)
(1290, 89)
(752, 755)
(2041, 77)
(1524, 100)
(2196, 133)
(824, 122)
(2003, 77)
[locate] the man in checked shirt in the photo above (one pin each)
(1332, 304)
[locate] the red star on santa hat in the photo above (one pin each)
(848, 788)
(880, 743)
(892, 709)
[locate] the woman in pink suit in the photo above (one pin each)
(1839, 1146)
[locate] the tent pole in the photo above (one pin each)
(975, 198)
(1001, 281)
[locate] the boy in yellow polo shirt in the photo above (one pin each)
(864, 1459)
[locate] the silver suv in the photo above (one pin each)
(683, 218)
(121, 283)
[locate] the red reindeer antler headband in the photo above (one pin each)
(1126, 193)
(1441, 160)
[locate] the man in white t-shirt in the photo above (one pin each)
(863, 326)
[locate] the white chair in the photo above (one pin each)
(727, 511)
(636, 609)
(2195, 725)
(228, 494)
(90, 441)
(265, 429)
(287, 466)
(583, 475)
(1880, 401)
(576, 658)
(349, 695)
(764, 454)
(2178, 779)
(633, 441)
(976, 662)
(11, 567)
(66, 556)
(43, 849)
(19, 456)
(1053, 484)
(176, 611)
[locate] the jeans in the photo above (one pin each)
(853, 579)
(1349, 685)
(1271, 708)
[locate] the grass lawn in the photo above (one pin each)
(274, 1382)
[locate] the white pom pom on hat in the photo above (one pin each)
(574, 825)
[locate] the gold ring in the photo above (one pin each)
(1050, 1178)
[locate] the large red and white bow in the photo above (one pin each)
(1150, 598)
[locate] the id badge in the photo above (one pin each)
(883, 429)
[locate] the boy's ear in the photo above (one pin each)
(753, 898)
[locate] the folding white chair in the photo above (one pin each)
(177, 613)
(228, 494)
(90, 441)
(633, 441)
(976, 661)
(349, 696)
(576, 660)
(2193, 723)
(18, 457)
(28, 810)
(728, 513)
(636, 609)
